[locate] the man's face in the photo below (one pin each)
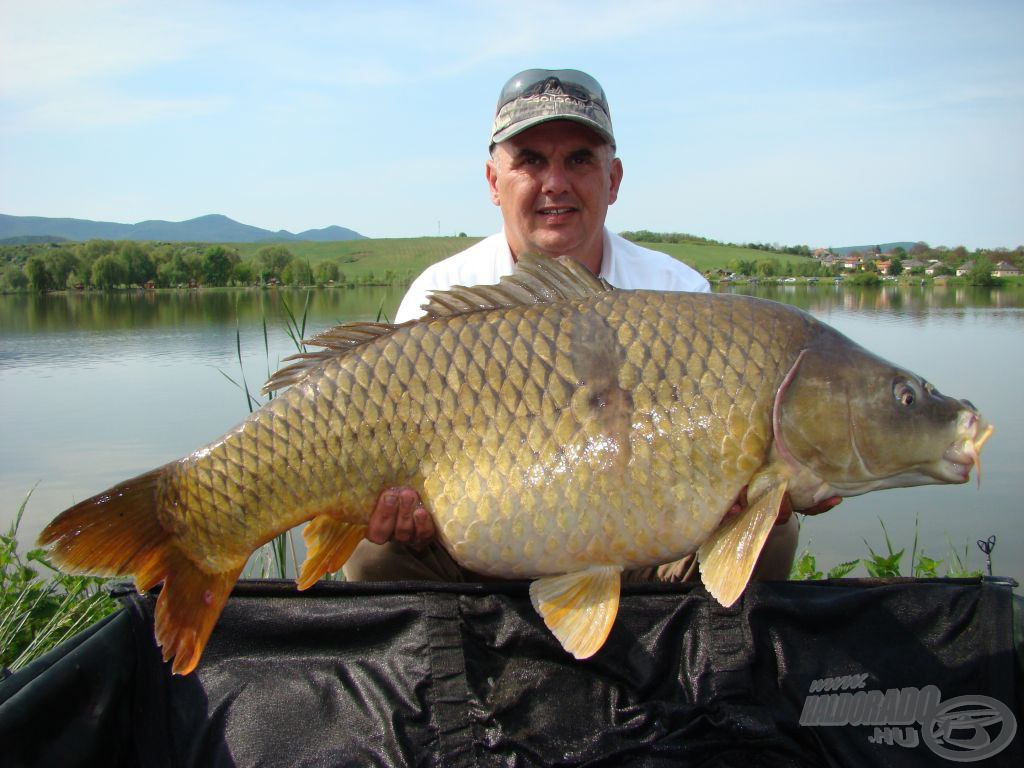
(554, 183)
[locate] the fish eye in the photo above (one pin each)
(905, 392)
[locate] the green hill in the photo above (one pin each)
(706, 257)
(208, 228)
(404, 257)
(407, 257)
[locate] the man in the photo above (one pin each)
(553, 172)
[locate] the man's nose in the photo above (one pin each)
(555, 179)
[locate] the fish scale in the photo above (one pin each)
(471, 488)
(556, 433)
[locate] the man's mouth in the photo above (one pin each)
(556, 211)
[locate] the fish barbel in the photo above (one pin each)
(558, 430)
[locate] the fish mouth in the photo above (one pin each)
(953, 467)
(965, 452)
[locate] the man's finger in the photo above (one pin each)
(423, 522)
(381, 525)
(404, 527)
(785, 509)
(823, 506)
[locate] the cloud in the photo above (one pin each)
(384, 44)
(97, 109)
(52, 45)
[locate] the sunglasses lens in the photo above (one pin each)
(571, 79)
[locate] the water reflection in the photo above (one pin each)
(31, 313)
(912, 302)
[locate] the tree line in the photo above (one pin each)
(982, 261)
(106, 264)
(647, 236)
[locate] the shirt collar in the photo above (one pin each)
(606, 254)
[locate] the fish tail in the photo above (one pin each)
(114, 533)
(118, 533)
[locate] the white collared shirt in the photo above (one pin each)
(623, 264)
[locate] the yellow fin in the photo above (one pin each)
(579, 608)
(728, 558)
(189, 603)
(329, 543)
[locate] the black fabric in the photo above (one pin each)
(467, 675)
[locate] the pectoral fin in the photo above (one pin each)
(579, 608)
(727, 558)
(329, 543)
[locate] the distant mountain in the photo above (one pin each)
(32, 240)
(206, 229)
(885, 247)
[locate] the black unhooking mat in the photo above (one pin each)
(841, 673)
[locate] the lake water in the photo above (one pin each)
(95, 389)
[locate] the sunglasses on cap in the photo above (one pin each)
(572, 81)
(536, 96)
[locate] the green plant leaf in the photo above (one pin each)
(843, 569)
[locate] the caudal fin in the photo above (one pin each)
(118, 533)
(115, 533)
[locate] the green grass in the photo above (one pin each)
(889, 563)
(404, 258)
(710, 256)
(40, 607)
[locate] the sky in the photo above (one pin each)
(817, 122)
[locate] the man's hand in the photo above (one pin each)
(822, 506)
(399, 516)
(786, 508)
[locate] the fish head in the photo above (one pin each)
(848, 422)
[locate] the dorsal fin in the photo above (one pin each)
(537, 280)
(337, 342)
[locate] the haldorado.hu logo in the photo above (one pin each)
(962, 729)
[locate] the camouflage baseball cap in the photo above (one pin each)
(536, 96)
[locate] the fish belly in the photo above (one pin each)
(616, 433)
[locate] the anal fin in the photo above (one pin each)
(329, 543)
(728, 557)
(188, 606)
(579, 608)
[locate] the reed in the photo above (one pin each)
(40, 607)
(277, 558)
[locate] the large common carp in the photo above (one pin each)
(557, 429)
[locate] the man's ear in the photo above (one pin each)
(491, 171)
(616, 174)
